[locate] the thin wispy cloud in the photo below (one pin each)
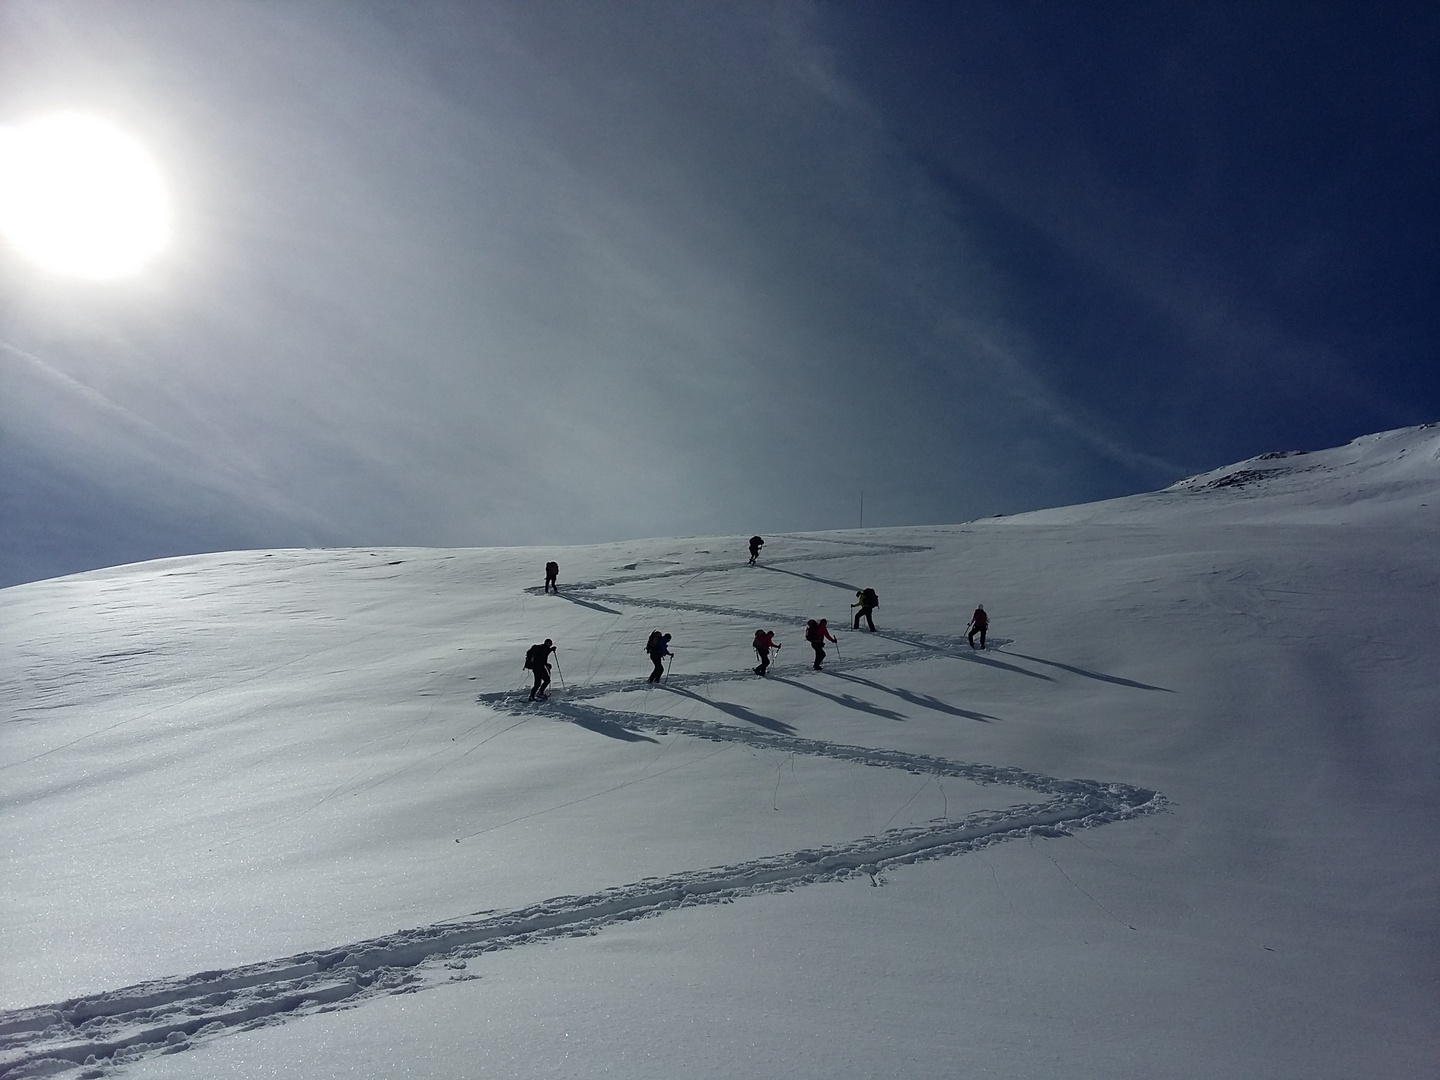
(516, 273)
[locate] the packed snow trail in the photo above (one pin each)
(170, 1015)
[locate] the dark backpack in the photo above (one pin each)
(653, 645)
(552, 569)
(812, 630)
(534, 657)
(755, 541)
(870, 599)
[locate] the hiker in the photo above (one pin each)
(866, 601)
(817, 633)
(537, 660)
(764, 642)
(658, 647)
(552, 571)
(979, 623)
(755, 545)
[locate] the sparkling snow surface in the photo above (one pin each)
(289, 814)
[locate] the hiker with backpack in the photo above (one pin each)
(552, 571)
(755, 545)
(867, 601)
(658, 647)
(979, 623)
(817, 633)
(764, 642)
(537, 661)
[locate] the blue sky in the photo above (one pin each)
(509, 273)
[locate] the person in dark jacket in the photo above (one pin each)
(537, 659)
(817, 633)
(755, 545)
(658, 647)
(764, 642)
(552, 571)
(979, 623)
(866, 601)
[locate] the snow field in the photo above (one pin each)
(255, 768)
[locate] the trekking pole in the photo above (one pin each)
(558, 671)
(668, 658)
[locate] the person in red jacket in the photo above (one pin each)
(979, 623)
(764, 642)
(817, 633)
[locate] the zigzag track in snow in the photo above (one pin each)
(867, 548)
(599, 589)
(169, 1015)
(99, 1031)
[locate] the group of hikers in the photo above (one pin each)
(817, 632)
(657, 647)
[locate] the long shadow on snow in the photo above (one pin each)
(576, 600)
(737, 711)
(878, 547)
(923, 700)
(595, 720)
(848, 700)
(1100, 675)
(960, 653)
(811, 577)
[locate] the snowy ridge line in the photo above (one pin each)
(166, 1016)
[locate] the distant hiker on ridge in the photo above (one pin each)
(537, 660)
(866, 601)
(764, 642)
(817, 633)
(755, 545)
(979, 623)
(658, 647)
(552, 571)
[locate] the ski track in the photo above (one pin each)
(100, 1031)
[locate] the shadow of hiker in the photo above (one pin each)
(810, 577)
(737, 711)
(576, 600)
(923, 700)
(1100, 675)
(591, 721)
(850, 701)
(960, 652)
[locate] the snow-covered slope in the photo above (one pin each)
(1381, 477)
(1176, 821)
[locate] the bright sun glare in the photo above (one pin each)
(80, 197)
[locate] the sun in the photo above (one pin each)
(80, 197)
